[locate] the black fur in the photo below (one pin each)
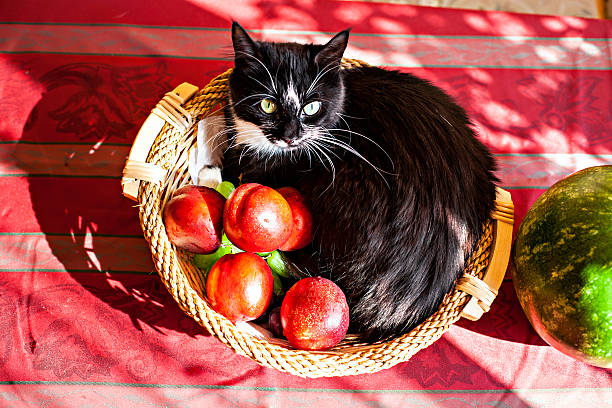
(397, 218)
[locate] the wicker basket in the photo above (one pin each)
(158, 165)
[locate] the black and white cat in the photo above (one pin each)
(398, 184)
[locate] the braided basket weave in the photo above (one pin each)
(162, 167)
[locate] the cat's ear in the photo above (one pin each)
(243, 44)
(332, 52)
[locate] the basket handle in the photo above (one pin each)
(484, 291)
(168, 110)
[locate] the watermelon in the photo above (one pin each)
(562, 271)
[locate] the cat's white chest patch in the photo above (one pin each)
(291, 96)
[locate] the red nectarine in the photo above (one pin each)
(314, 314)
(257, 218)
(239, 286)
(302, 220)
(193, 219)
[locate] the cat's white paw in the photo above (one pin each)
(209, 177)
(206, 156)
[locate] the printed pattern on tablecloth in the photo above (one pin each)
(83, 311)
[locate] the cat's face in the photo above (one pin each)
(284, 97)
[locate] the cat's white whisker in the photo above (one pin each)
(319, 149)
(264, 67)
(248, 141)
(327, 148)
(242, 126)
(219, 139)
(333, 169)
(349, 116)
(244, 139)
(262, 84)
(344, 120)
(311, 148)
(246, 150)
(320, 75)
(333, 141)
(366, 138)
(259, 95)
(307, 150)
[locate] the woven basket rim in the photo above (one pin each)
(181, 277)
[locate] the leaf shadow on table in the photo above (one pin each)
(93, 107)
(90, 228)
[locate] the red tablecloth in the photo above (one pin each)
(86, 321)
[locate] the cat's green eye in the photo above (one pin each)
(268, 105)
(312, 108)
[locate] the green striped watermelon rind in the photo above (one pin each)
(563, 265)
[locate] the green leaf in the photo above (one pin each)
(225, 242)
(278, 285)
(277, 264)
(206, 261)
(225, 188)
